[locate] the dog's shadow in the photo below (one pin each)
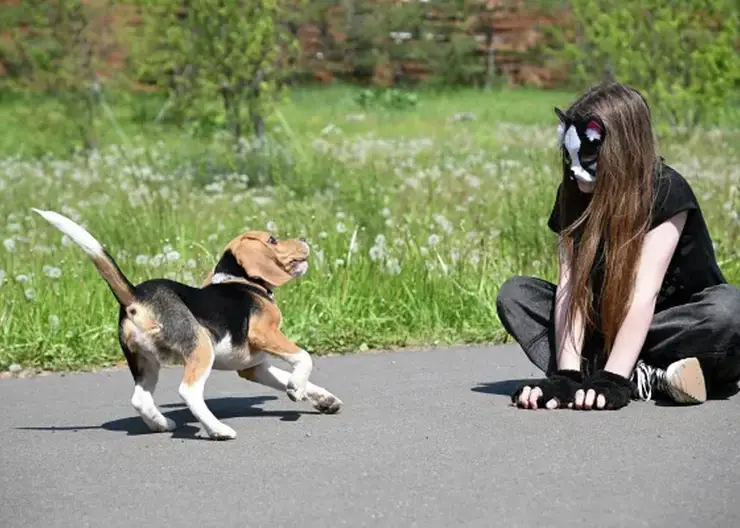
(501, 388)
(187, 426)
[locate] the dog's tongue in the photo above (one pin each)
(300, 268)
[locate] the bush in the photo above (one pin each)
(222, 63)
(682, 55)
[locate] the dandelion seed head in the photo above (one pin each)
(376, 253)
(52, 272)
(392, 266)
(30, 293)
(442, 222)
(9, 245)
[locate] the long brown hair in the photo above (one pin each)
(616, 216)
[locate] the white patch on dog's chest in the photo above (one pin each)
(229, 357)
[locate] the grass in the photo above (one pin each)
(415, 219)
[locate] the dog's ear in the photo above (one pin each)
(259, 261)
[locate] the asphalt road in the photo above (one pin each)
(426, 438)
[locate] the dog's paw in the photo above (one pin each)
(325, 402)
(160, 424)
(294, 392)
(222, 432)
(169, 425)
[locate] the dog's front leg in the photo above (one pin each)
(274, 342)
(322, 400)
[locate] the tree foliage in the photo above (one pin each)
(683, 54)
(223, 62)
(58, 48)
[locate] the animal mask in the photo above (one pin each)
(581, 139)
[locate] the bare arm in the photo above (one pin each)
(657, 251)
(569, 340)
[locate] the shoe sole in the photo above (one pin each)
(686, 381)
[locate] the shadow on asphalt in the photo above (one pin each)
(503, 387)
(223, 408)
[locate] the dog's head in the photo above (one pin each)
(258, 255)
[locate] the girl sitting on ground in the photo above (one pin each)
(641, 307)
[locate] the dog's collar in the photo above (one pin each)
(259, 283)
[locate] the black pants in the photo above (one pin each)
(707, 327)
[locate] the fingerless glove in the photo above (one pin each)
(560, 385)
(616, 389)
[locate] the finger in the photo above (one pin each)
(590, 397)
(524, 397)
(601, 401)
(553, 404)
(579, 399)
(534, 396)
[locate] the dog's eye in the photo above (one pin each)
(272, 240)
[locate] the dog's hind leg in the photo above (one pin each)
(265, 374)
(143, 399)
(198, 364)
(145, 371)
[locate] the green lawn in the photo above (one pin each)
(414, 218)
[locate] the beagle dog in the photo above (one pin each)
(230, 323)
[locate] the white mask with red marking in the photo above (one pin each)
(581, 139)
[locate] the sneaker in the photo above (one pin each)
(682, 381)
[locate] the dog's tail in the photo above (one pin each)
(117, 281)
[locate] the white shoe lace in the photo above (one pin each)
(649, 378)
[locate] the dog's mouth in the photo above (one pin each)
(299, 267)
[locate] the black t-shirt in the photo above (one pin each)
(694, 265)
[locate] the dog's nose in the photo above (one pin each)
(302, 239)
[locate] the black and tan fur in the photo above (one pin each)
(230, 323)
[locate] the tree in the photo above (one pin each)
(223, 62)
(450, 46)
(682, 53)
(59, 49)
